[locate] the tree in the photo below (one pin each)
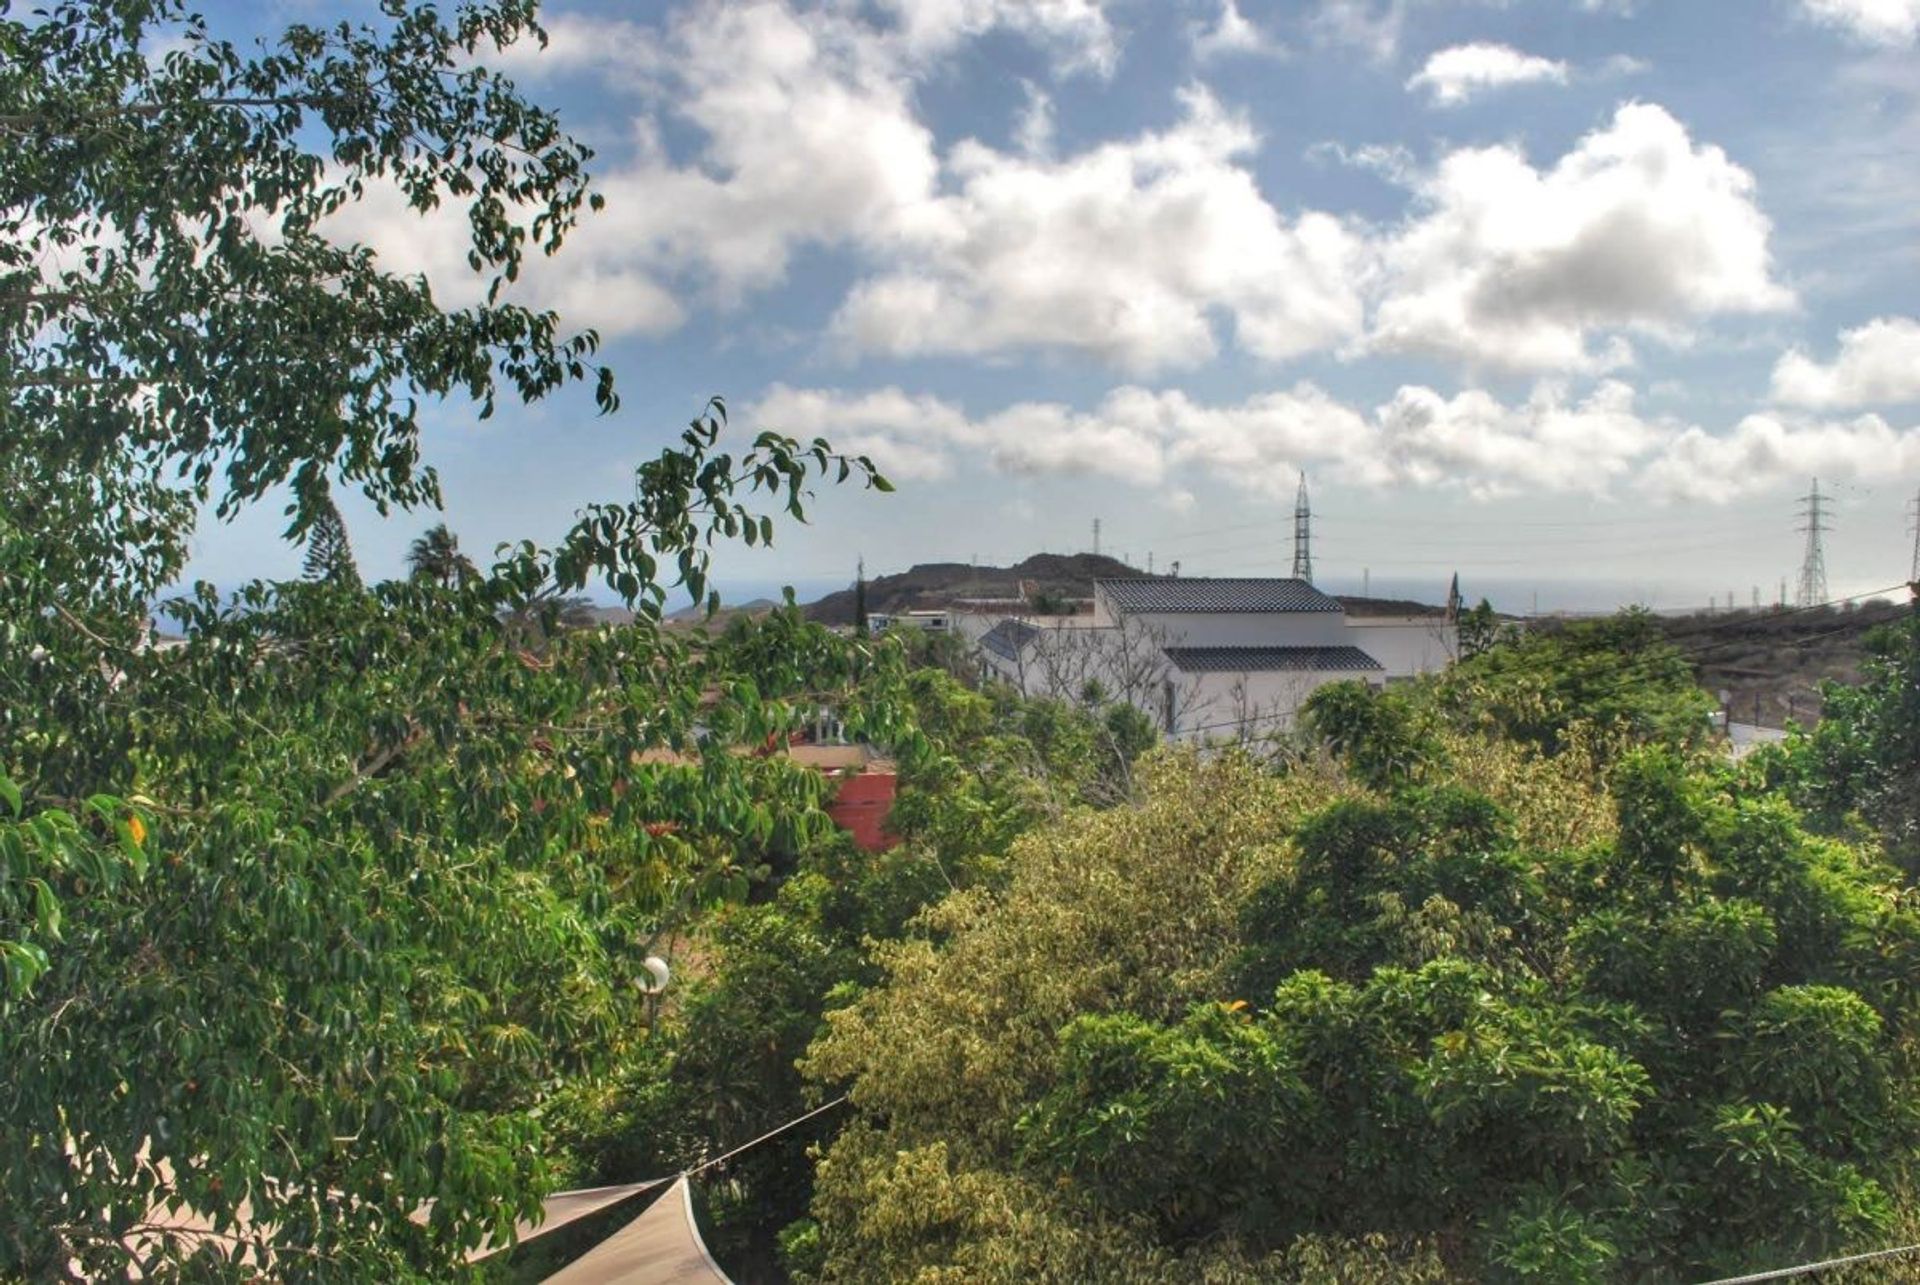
(155, 311)
(309, 917)
(329, 555)
(1862, 760)
(1481, 630)
(435, 557)
(1241, 1019)
(1618, 673)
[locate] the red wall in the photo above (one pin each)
(861, 809)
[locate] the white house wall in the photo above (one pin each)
(1406, 646)
(1245, 629)
(1225, 707)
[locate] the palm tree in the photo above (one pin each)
(547, 612)
(436, 557)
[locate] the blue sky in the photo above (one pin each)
(1569, 295)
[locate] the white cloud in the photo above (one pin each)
(1231, 33)
(585, 287)
(797, 129)
(1372, 27)
(625, 52)
(1636, 228)
(1454, 75)
(1614, 66)
(1880, 22)
(808, 137)
(1124, 252)
(1765, 451)
(1878, 363)
(1547, 444)
(1033, 129)
(909, 437)
(1077, 32)
(1597, 445)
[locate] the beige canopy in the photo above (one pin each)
(660, 1247)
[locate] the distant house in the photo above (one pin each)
(1214, 659)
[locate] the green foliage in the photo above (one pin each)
(1617, 674)
(388, 859)
(172, 305)
(329, 555)
(977, 770)
(1377, 734)
(436, 558)
(1481, 631)
(1678, 1051)
(1861, 762)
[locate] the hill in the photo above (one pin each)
(936, 584)
(1772, 663)
(696, 613)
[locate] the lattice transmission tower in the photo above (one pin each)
(1913, 576)
(1302, 534)
(1813, 563)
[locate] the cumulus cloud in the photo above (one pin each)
(1454, 75)
(1230, 33)
(1123, 252)
(1878, 363)
(589, 289)
(1879, 22)
(1636, 228)
(1763, 451)
(1373, 27)
(908, 436)
(1551, 443)
(764, 131)
(1077, 32)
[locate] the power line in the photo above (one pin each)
(776, 1130)
(1808, 1269)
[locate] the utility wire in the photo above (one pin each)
(1808, 1269)
(777, 1129)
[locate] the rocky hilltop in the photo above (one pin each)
(936, 584)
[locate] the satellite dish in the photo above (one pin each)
(654, 975)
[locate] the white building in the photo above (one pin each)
(1213, 658)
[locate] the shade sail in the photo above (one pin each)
(660, 1247)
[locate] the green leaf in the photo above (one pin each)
(46, 908)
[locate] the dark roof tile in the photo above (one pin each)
(1215, 595)
(1008, 637)
(1260, 660)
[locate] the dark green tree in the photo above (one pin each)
(1861, 761)
(436, 558)
(329, 554)
(1480, 630)
(309, 917)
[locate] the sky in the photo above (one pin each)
(1572, 297)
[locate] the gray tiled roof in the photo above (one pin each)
(1256, 660)
(1215, 595)
(1008, 637)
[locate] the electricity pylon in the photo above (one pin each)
(1302, 535)
(1813, 563)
